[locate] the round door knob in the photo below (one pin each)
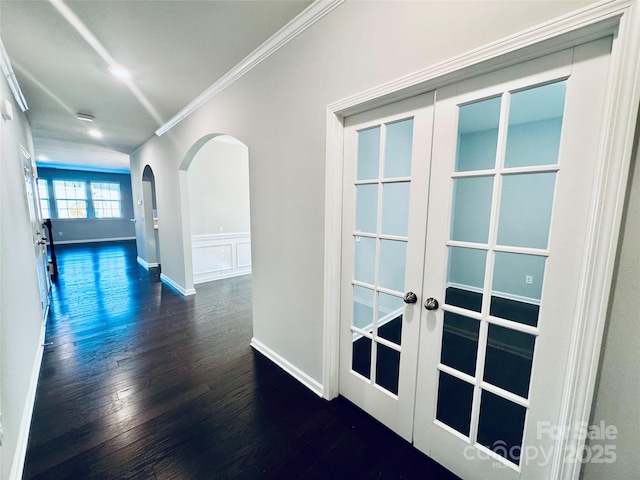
(410, 297)
(431, 304)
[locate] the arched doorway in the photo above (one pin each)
(149, 249)
(217, 171)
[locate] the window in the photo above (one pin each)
(71, 198)
(106, 200)
(43, 191)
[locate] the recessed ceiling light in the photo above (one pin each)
(119, 71)
(85, 117)
(95, 133)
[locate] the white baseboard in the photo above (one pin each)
(203, 277)
(176, 287)
(93, 240)
(146, 264)
(19, 457)
(312, 384)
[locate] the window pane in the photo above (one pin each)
(501, 426)
(471, 209)
(388, 368)
(465, 277)
(367, 208)
(455, 398)
(70, 198)
(517, 287)
(535, 124)
(365, 260)
(361, 356)
(395, 208)
(525, 209)
(509, 359)
(397, 151)
(460, 342)
(106, 200)
(368, 153)
(390, 310)
(393, 259)
(478, 135)
(362, 308)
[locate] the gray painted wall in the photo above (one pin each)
(618, 389)
(278, 110)
(92, 229)
(21, 321)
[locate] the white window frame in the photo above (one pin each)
(56, 199)
(95, 200)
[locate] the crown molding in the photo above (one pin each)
(309, 16)
(10, 76)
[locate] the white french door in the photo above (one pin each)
(476, 199)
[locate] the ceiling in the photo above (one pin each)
(174, 50)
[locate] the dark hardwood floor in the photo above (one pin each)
(139, 382)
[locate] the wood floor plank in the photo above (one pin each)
(142, 383)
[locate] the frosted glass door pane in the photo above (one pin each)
(535, 124)
(393, 258)
(525, 209)
(368, 153)
(367, 208)
(471, 209)
(465, 277)
(395, 208)
(362, 307)
(365, 260)
(517, 287)
(478, 135)
(398, 148)
(390, 310)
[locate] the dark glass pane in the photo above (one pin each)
(521, 312)
(388, 368)
(463, 298)
(508, 360)
(361, 359)
(460, 342)
(390, 310)
(455, 398)
(501, 426)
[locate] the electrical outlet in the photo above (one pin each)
(528, 279)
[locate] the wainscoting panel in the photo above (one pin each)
(219, 256)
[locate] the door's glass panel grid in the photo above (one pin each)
(507, 285)
(382, 190)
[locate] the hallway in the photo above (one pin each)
(139, 382)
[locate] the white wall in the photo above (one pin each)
(219, 188)
(21, 322)
(278, 111)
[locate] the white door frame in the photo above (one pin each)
(618, 18)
